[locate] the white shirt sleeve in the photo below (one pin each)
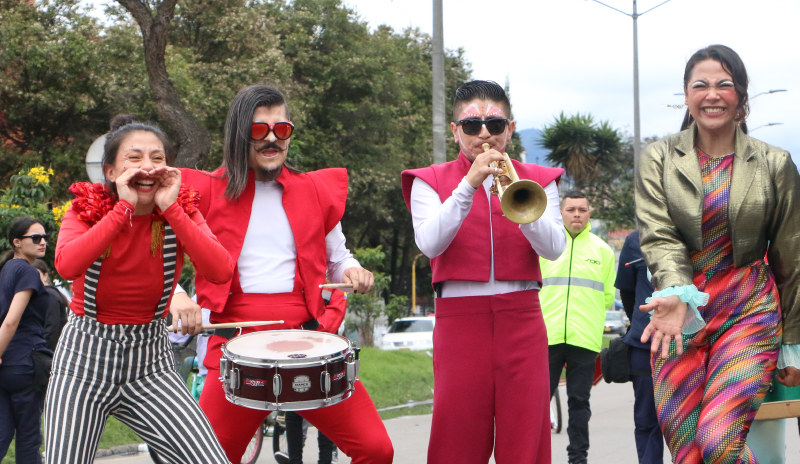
(547, 235)
(435, 223)
(339, 257)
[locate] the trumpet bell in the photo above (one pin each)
(523, 201)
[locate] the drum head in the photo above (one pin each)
(287, 345)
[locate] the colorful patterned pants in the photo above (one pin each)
(707, 398)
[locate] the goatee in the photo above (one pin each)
(268, 175)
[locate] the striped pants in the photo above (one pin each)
(126, 371)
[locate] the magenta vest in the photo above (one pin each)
(468, 257)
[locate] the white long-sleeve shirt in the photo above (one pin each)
(436, 224)
(267, 260)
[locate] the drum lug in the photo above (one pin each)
(325, 382)
(235, 379)
(223, 370)
(276, 386)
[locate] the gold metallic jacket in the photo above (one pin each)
(762, 211)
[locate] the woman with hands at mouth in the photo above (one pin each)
(711, 202)
(123, 245)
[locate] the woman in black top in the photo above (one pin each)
(23, 303)
(56, 316)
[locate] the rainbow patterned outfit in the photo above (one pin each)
(707, 398)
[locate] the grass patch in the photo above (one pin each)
(393, 378)
(115, 434)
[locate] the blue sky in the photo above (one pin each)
(576, 55)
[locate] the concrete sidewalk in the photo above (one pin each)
(611, 434)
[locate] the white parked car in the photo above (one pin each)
(410, 333)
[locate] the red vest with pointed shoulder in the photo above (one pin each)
(314, 203)
(469, 257)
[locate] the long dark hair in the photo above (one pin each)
(732, 63)
(121, 126)
(236, 147)
(17, 229)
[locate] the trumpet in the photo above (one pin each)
(522, 201)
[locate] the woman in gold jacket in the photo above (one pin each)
(711, 202)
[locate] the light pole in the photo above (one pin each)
(637, 135)
(414, 284)
(764, 125)
(439, 147)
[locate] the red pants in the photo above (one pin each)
(492, 381)
(354, 425)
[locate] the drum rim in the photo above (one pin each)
(290, 405)
(259, 362)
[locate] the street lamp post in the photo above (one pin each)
(439, 141)
(637, 135)
(414, 284)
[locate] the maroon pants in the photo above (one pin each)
(492, 381)
(354, 424)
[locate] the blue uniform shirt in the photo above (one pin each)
(17, 276)
(633, 278)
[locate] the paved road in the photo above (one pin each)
(611, 432)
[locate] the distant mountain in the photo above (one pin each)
(534, 152)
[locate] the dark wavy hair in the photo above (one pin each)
(121, 126)
(16, 230)
(481, 90)
(236, 147)
(732, 63)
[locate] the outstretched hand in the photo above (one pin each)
(666, 323)
(789, 377)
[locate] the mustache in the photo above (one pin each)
(269, 145)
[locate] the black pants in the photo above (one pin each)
(20, 412)
(295, 439)
(649, 439)
(580, 371)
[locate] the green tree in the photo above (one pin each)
(29, 195)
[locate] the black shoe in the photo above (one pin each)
(282, 457)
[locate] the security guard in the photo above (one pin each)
(578, 289)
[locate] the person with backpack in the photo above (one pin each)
(23, 304)
(56, 317)
(634, 287)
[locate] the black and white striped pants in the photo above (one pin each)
(127, 371)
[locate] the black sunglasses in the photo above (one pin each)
(37, 238)
(473, 126)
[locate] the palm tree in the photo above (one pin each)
(581, 146)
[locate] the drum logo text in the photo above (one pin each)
(255, 382)
(301, 384)
(338, 376)
(297, 356)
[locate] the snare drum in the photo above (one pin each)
(288, 370)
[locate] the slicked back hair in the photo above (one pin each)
(481, 90)
(238, 126)
(732, 63)
(575, 194)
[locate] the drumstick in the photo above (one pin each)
(343, 287)
(234, 325)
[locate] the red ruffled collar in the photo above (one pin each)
(93, 201)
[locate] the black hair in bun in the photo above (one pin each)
(121, 126)
(121, 120)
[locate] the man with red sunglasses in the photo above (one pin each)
(282, 228)
(490, 343)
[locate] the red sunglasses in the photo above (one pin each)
(282, 130)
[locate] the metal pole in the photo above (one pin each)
(637, 136)
(414, 284)
(439, 148)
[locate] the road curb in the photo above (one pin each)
(120, 450)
